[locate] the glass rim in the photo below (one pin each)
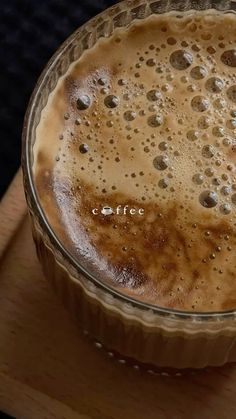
(34, 201)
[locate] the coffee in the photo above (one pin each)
(146, 119)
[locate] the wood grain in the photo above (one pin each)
(12, 211)
(48, 369)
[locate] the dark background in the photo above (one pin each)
(30, 32)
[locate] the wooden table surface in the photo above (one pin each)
(48, 369)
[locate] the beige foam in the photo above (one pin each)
(179, 253)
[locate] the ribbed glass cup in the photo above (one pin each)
(144, 332)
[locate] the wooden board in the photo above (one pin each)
(48, 369)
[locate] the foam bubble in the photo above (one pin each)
(198, 179)
(163, 183)
(231, 123)
(155, 121)
(111, 101)
(83, 148)
(104, 90)
(204, 122)
(193, 135)
(83, 102)
(200, 103)
(129, 115)
(184, 79)
(171, 41)
(216, 181)
(208, 199)
(151, 62)
(225, 209)
(214, 85)
(154, 95)
(229, 58)
(163, 146)
(122, 82)
(161, 162)
(181, 59)
(209, 172)
(198, 72)
(102, 81)
(218, 131)
(211, 50)
(225, 190)
(219, 103)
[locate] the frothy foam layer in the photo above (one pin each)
(147, 119)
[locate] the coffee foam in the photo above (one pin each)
(148, 118)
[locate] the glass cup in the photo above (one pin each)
(143, 332)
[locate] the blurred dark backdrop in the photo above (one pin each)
(30, 32)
